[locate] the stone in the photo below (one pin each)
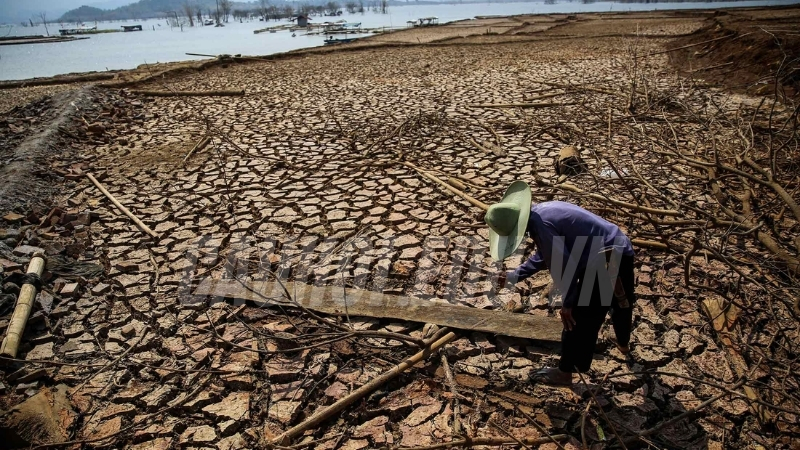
(198, 435)
(355, 444)
(235, 406)
(284, 411)
(13, 217)
(70, 290)
(27, 250)
(100, 289)
(422, 414)
(157, 398)
(228, 427)
(336, 390)
(163, 443)
(127, 267)
(235, 442)
(101, 430)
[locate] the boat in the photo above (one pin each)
(72, 31)
(208, 22)
(332, 41)
(127, 28)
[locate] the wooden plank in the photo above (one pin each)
(334, 300)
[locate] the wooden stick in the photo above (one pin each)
(724, 331)
(201, 144)
(125, 210)
(361, 392)
(22, 311)
(189, 93)
(464, 195)
(518, 105)
(474, 442)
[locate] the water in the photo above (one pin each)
(160, 43)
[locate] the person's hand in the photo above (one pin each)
(566, 319)
(502, 279)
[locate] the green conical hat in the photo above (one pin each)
(508, 220)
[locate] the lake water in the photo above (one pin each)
(160, 43)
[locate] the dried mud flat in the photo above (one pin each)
(318, 174)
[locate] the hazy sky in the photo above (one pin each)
(14, 10)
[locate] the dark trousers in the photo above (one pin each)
(577, 345)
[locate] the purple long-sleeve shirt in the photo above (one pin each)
(552, 223)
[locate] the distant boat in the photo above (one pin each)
(71, 31)
(332, 41)
(127, 28)
(209, 22)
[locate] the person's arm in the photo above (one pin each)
(533, 265)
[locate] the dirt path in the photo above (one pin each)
(23, 178)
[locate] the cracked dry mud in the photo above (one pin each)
(302, 179)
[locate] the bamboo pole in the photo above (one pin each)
(361, 392)
(22, 310)
(122, 208)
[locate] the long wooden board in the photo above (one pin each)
(356, 302)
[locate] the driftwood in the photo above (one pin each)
(569, 161)
(435, 179)
(122, 208)
(22, 310)
(723, 321)
(201, 144)
(188, 93)
(356, 302)
(488, 147)
(363, 391)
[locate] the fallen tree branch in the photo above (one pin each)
(188, 93)
(520, 105)
(474, 442)
(363, 391)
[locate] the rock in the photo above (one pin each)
(235, 406)
(228, 427)
(100, 289)
(127, 267)
(158, 397)
(235, 442)
(13, 217)
(284, 411)
(336, 390)
(45, 417)
(422, 414)
(70, 290)
(101, 430)
(355, 444)
(9, 266)
(27, 250)
(375, 428)
(713, 364)
(156, 444)
(41, 352)
(198, 435)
